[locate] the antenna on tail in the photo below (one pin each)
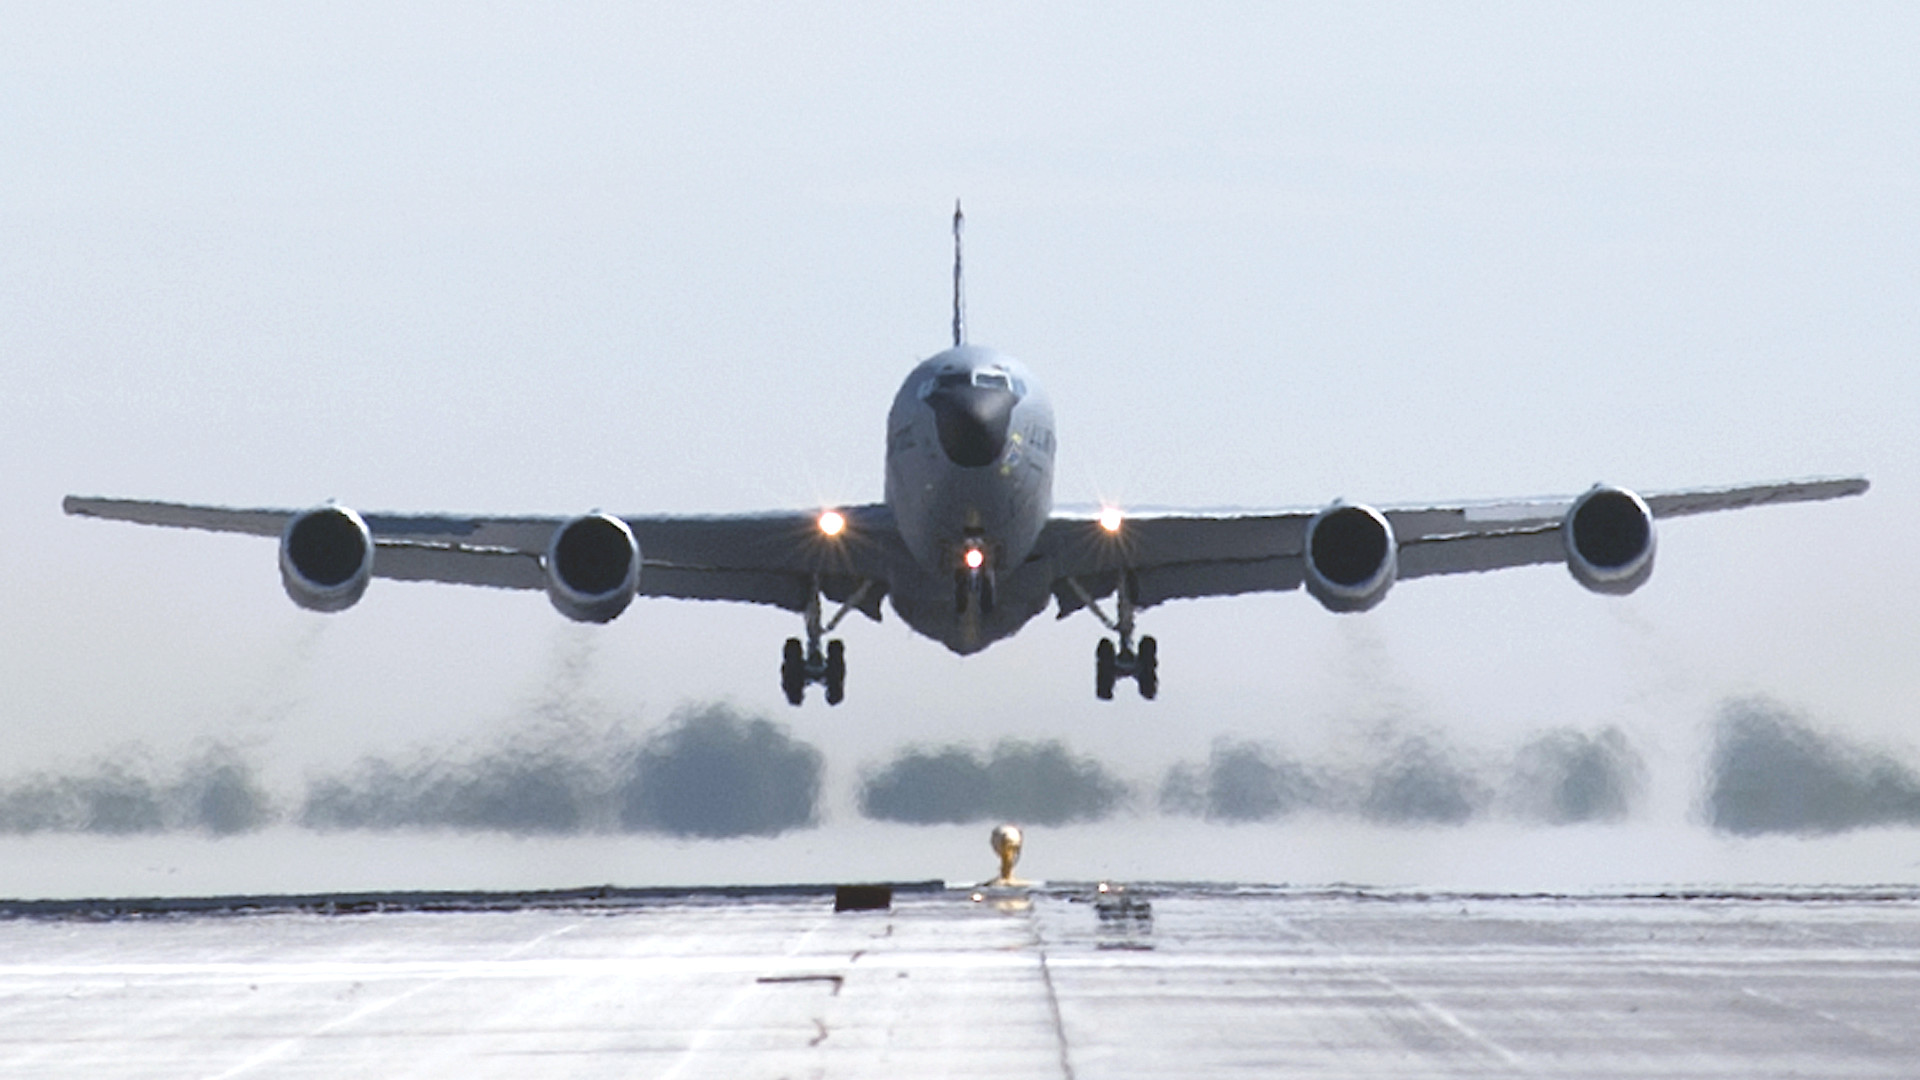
(959, 293)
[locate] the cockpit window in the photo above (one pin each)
(983, 379)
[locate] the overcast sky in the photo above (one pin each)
(661, 258)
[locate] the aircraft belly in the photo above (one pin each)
(938, 507)
(924, 600)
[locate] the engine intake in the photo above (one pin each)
(326, 558)
(1351, 557)
(593, 568)
(1609, 537)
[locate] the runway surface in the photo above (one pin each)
(1051, 982)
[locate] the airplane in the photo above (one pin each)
(966, 543)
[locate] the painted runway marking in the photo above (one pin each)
(286, 1048)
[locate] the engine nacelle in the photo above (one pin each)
(1609, 537)
(593, 568)
(1351, 557)
(326, 558)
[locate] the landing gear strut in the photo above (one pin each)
(973, 585)
(1114, 661)
(802, 665)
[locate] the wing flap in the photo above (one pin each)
(1080, 545)
(526, 535)
(1414, 524)
(496, 568)
(783, 590)
(1474, 553)
(500, 568)
(1232, 578)
(787, 541)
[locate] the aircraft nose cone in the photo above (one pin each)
(973, 422)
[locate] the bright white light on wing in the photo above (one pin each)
(832, 522)
(1110, 518)
(975, 558)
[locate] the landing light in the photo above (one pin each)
(1110, 518)
(975, 558)
(832, 523)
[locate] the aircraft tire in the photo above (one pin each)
(836, 672)
(1104, 669)
(1146, 672)
(793, 672)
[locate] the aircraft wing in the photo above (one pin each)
(771, 558)
(1179, 555)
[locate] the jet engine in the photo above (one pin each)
(593, 568)
(326, 558)
(1609, 537)
(1351, 557)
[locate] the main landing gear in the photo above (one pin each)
(1113, 661)
(1142, 665)
(799, 667)
(802, 665)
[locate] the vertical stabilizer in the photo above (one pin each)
(959, 289)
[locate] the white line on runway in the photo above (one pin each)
(709, 1033)
(286, 1048)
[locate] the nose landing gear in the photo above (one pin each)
(803, 665)
(973, 589)
(973, 583)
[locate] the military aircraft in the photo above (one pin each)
(967, 543)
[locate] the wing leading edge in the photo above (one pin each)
(1175, 555)
(777, 558)
(591, 566)
(773, 559)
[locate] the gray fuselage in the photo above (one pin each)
(970, 444)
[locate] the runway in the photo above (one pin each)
(1050, 982)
